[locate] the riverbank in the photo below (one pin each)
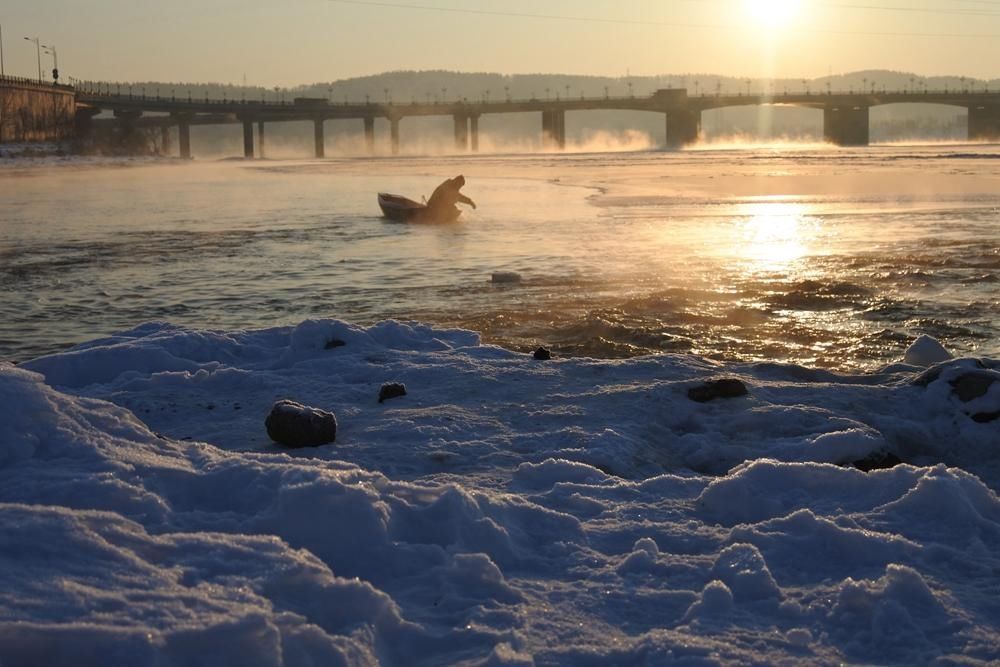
(505, 511)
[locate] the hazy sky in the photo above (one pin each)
(297, 41)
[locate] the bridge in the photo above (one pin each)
(845, 114)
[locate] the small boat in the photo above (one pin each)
(401, 209)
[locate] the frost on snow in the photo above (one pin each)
(508, 513)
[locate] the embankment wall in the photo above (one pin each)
(31, 111)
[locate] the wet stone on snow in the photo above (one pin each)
(724, 388)
(391, 390)
(295, 425)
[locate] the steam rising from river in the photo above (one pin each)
(827, 257)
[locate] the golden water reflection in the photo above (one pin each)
(774, 235)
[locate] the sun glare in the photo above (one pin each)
(773, 235)
(772, 13)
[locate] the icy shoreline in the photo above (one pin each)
(507, 511)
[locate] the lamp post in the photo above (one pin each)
(2, 72)
(38, 50)
(51, 50)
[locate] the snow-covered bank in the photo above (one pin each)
(505, 511)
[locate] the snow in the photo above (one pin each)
(506, 512)
(925, 351)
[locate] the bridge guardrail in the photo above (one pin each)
(192, 99)
(25, 81)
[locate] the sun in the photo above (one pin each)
(772, 13)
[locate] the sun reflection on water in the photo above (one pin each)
(773, 235)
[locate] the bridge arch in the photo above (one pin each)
(767, 122)
(900, 121)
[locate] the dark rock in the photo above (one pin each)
(333, 343)
(724, 388)
(542, 354)
(391, 390)
(294, 425)
(985, 417)
(878, 461)
(972, 385)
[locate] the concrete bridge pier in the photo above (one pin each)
(984, 123)
(474, 132)
(247, 139)
(461, 132)
(683, 128)
(260, 139)
(84, 121)
(394, 134)
(319, 137)
(184, 139)
(165, 139)
(370, 134)
(554, 129)
(846, 125)
(183, 121)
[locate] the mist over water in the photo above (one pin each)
(826, 257)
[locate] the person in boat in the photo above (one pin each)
(446, 195)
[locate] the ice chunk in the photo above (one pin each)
(926, 351)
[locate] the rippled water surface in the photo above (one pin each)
(830, 258)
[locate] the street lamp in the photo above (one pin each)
(2, 72)
(38, 49)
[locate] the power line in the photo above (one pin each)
(897, 8)
(912, 10)
(637, 22)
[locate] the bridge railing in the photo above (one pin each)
(24, 81)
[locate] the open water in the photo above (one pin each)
(790, 255)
